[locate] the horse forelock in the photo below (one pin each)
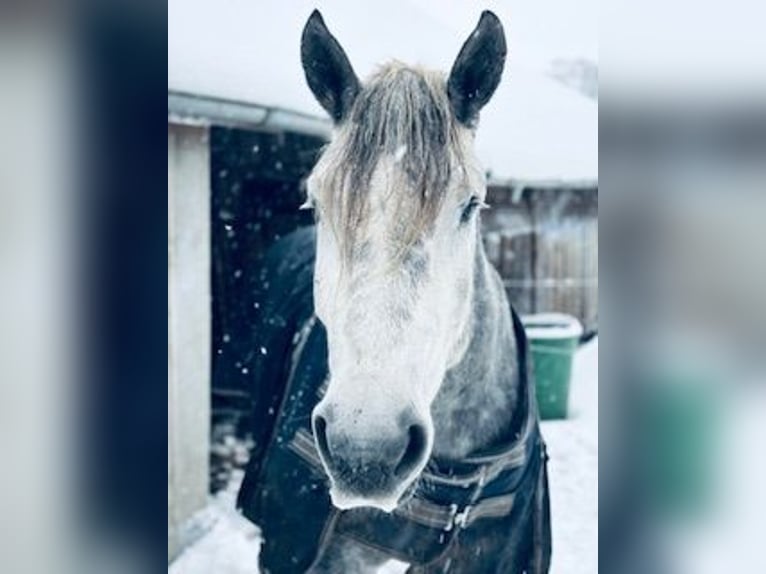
(404, 114)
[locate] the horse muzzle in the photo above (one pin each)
(369, 462)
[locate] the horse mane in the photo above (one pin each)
(404, 113)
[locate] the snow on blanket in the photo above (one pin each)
(232, 543)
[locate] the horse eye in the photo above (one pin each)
(469, 209)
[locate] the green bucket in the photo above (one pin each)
(553, 339)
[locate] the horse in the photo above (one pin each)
(402, 422)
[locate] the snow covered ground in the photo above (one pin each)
(573, 471)
(231, 544)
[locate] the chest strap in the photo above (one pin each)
(423, 511)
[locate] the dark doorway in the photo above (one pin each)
(257, 186)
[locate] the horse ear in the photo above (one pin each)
(328, 72)
(477, 70)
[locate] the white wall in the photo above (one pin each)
(189, 325)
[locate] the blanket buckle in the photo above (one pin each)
(461, 519)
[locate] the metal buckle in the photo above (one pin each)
(451, 520)
(461, 519)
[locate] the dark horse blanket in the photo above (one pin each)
(487, 513)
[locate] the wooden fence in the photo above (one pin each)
(544, 242)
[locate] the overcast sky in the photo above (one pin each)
(226, 46)
(538, 30)
(534, 127)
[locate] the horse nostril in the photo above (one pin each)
(320, 433)
(413, 454)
